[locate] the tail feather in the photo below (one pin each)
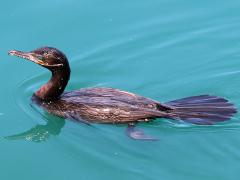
(203, 109)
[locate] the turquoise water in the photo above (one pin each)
(160, 49)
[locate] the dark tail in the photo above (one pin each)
(203, 109)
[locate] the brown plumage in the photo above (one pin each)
(107, 105)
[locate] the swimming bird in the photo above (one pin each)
(108, 105)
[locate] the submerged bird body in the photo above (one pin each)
(107, 105)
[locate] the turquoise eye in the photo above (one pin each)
(40, 57)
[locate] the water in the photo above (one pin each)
(160, 49)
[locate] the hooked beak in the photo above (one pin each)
(32, 57)
(27, 55)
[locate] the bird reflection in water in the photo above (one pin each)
(41, 133)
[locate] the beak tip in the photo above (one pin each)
(12, 52)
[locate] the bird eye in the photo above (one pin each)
(40, 57)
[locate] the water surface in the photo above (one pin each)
(160, 49)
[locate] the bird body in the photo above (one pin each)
(104, 105)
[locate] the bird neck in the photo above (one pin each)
(55, 86)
